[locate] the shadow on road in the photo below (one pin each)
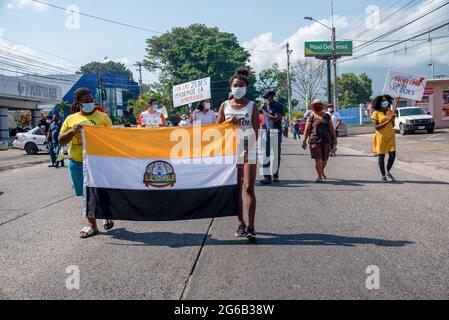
(352, 183)
(1, 193)
(175, 240)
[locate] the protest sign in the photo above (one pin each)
(404, 85)
(191, 92)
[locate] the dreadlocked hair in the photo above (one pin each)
(77, 96)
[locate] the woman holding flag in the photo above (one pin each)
(84, 114)
(245, 113)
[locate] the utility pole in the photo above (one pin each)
(334, 55)
(289, 83)
(139, 68)
(329, 80)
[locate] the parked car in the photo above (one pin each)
(412, 119)
(32, 142)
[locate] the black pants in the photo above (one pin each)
(391, 160)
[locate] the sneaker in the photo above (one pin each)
(390, 177)
(251, 234)
(384, 180)
(241, 231)
(276, 179)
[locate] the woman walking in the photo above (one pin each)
(320, 134)
(84, 114)
(245, 113)
(203, 115)
(385, 139)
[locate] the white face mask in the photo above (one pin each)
(239, 92)
(88, 107)
(155, 107)
(207, 106)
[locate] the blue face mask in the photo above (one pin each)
(385, 104)
(88, 107)
(239, 92)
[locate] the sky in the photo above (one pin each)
(48, 34)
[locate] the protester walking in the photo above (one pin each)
(336, 121)
(245, 113)
(295, 129)
(152, 118)
(53, 144)
(85, 115)
(385, 138)
(321, 136)
(274, 114)
(203, 115)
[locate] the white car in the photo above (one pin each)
(413, 119)
(32, 142)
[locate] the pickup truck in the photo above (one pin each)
(413, 119)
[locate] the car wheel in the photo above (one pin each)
(402, 129)
(431, 131)
(31, 149)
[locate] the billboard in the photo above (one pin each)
(323, 49)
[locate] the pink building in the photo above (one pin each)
(435, 101)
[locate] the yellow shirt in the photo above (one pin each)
(96, 119)
(385, 138)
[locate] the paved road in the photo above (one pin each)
(430, 150)
(14, 158)
(316, 241)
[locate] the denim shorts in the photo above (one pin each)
(77, 175)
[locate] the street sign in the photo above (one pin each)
(323, 49)
(191, 92)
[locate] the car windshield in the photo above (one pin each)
(412, 112)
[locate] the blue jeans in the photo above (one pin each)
(77, 175)
(52, 152)
(296, 134)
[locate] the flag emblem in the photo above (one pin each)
(160, 174)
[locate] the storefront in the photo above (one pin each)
(436, 101)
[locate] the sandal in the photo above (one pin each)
(108, 225)
(88, 232)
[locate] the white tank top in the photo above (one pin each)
(244, 115)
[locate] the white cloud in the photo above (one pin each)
(18, 4)
(265, 51)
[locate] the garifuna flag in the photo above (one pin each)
(163, 174)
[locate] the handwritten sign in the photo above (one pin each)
(191, 92)
(404, 85)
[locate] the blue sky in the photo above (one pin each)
(263, 25)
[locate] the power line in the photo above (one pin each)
(98, 18)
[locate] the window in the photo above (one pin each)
(412, 112)
(38, 132)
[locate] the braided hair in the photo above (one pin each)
(77, 96)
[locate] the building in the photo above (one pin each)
(435, 101)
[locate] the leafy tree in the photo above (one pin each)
(275, 79)
(108, 67)
(195, 52)
(353, 89)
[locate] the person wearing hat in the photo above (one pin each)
(273, 113)
(321, 136)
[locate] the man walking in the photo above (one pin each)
(53, 143)
(274, 114)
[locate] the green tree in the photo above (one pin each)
(195, 52)
(275, 79)
(109, 67)
(354, 90)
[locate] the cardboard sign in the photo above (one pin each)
(191, 92)
(404, 85)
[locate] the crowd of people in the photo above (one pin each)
(320, 137)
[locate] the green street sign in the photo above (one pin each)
(323, 49)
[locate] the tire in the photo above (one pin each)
(431, 131)
(31, 149)
(402, 129)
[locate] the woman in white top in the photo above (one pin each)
(244, 113)
(203, 115)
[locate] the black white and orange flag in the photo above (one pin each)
(164, 174)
